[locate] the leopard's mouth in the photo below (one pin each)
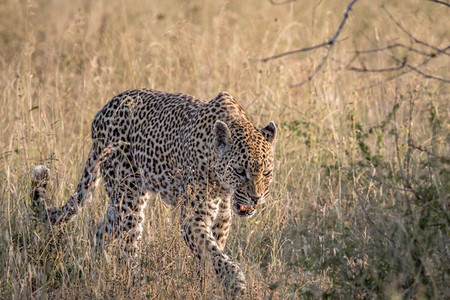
(243, 210)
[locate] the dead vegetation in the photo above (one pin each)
(359, 206)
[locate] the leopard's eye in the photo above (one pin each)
(267, 173)
(240, 171)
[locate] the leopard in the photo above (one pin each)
(205, 157)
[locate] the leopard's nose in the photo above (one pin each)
(256, 198)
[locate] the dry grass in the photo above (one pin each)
(356, 211)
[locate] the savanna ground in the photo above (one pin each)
(359, 208)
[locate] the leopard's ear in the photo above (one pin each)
(222, 137)
(270, 132)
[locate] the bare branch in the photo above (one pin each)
(402, 66)
(423, 63)
(294, 51)
(330, 42)
(282, 2)
(338, 31)
(406, 70)
(441, 2)
(409, 34)
(396, 45)
(364, 69)
(446, 80)
(381, 70)
(415, 69)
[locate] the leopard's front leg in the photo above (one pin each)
(198, 235)
(222, 222)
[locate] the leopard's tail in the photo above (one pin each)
(58, 215)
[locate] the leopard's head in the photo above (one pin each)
(245, 163)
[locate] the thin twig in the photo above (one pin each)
(336, 34)
(407, 68)
(294, 51)
(330, 42)
(408, 33)
(364, 69)
(441, 2)
(406, 71)
(426, 75)
(396, 45)
(415, 69)
(402, 64)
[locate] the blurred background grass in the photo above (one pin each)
(359, 206)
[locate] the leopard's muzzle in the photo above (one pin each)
(243, 205)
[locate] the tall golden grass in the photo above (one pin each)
(359, 207)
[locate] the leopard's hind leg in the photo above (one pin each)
(125, 213)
